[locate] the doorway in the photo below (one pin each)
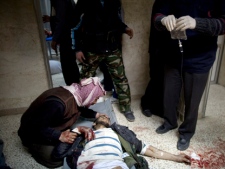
(53, 57)
(213, 79)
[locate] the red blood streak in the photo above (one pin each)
(210, 158)
(139, 129)
(89, 164)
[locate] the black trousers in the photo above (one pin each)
(193, 85)
(70, 68)
(108, 83)
(153, 97)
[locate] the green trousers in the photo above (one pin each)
(115, 66)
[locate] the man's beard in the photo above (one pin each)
(99, 122)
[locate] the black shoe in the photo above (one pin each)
(162, 129)
(147, 112)
(129, 116)
(183, 144)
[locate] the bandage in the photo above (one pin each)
(144, 148)
(76, 131)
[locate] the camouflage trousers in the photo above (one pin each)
(114, 63)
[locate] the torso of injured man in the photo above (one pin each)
(104, 149)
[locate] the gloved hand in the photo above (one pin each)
(88, 132)
(169, 22)
(185, 22)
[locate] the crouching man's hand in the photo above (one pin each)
(101, 114)
(68, 137)
(88, 132)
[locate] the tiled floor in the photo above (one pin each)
(208, 142)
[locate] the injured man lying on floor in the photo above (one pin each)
(116, 147)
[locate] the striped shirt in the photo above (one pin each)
(105, 147)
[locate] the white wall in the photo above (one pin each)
(23, 74)
(137, 16)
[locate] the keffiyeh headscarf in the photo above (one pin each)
(87, 91)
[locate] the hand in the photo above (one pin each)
(169, 22)
(183, 158)
(46, 18)
(100, 114)
(185, 22)
(88, 132)
(80, 57)
(67, 136)
(129, 32)
(54, 46)
(47, 32)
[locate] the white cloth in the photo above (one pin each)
(144, 148)
(110, 164)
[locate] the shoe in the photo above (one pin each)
(162, 129)
(183, 144)
(129, 116)
(147, 112)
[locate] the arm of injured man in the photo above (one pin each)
(144, 149)
(151, 151)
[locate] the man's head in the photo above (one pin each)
(101, 122)
(87, 92)
(90, 91)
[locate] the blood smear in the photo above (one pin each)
(210, 158)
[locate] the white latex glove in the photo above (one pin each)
(169, 22)
(185, 22)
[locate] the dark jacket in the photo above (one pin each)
(201, 44)
(55, 110)
(101, 27)
(64, 19)
(127, 135)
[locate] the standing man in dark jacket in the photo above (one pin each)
(202, 21)
(99, 39)
(47, 121)
(152, 100)
(62, 20)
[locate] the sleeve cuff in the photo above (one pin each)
(158, 24)
(144, 148)
(201, 25)
(56, 134)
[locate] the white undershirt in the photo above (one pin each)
(105, 148)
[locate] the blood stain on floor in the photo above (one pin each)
(210, 157)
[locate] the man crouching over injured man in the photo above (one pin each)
(46, 123)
